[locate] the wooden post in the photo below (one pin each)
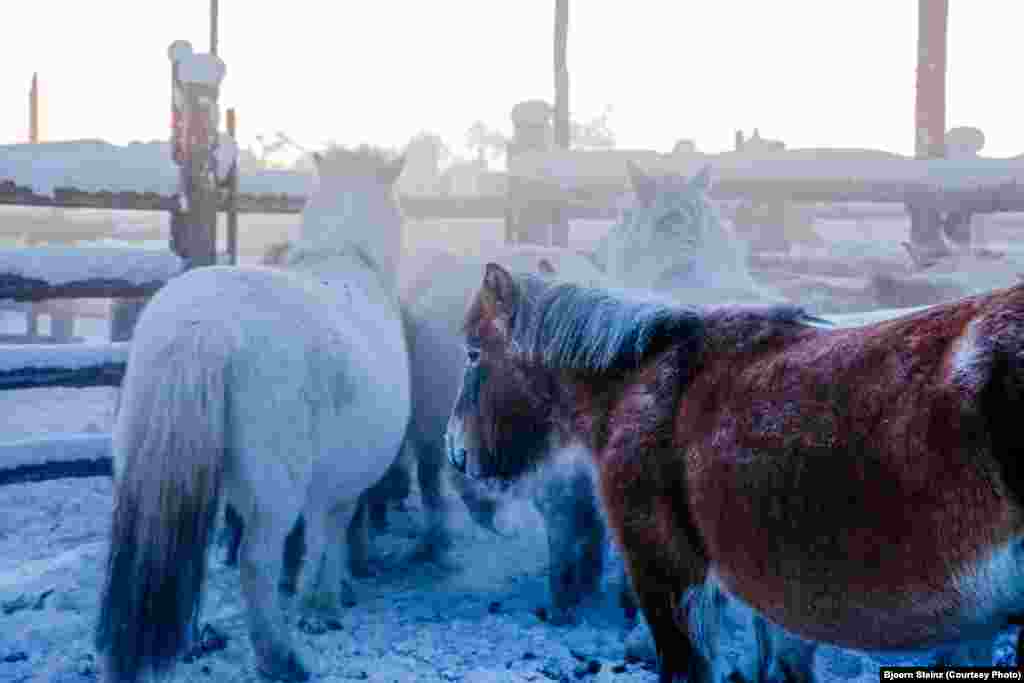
(32, 315)
(929, 120)
(195, 233)
(33, 110)
(558, 235)
(214, 12)
(930, 105)
(232, 196)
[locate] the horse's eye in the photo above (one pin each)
(670, 220)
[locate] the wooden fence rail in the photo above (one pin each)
(33, 366)
(57, 456)
(36, 274)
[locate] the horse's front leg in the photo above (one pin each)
(260, 560)
(677, 659)
(576, 541)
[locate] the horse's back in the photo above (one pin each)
(852, 484)
(290, 331)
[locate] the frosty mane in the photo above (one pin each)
(362, 160)
(571, 327)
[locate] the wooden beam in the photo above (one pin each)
(34, 366)
(55, 457)
(231, 201)
(31, 289)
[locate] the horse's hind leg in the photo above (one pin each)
(294, 550)
(394, 486)
(358, 538)
(436, 539)
(231, 535)
(326, 584)
(783, 656)
(260, 560)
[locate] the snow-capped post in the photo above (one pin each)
(232, 181)
(196, 87)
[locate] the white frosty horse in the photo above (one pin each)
(672, 240)
(280, 391)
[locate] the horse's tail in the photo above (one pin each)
(168, 454)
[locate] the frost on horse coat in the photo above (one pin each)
(672, 240)
(858, 486)
(281, 392)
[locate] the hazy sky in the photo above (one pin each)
(826, 73)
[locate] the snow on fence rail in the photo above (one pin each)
(58, 456)
(47, 273)
(35, 274)
(33, 366)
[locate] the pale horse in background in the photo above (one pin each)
(283, 392)
(439, 289)
(673, 241)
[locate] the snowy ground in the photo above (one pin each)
(477, 623)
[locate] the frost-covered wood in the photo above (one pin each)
(72, 273)
(62, 365)
(56, 456)
(974, 184)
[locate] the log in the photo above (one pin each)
(70, 273)
(61, 456)
(33, 366)
(978, 185)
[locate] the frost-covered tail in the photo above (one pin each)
(168, 462)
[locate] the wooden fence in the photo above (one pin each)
(47, 274)
(67, 273)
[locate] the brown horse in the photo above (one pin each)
(858, 486)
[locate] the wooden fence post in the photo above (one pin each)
(232, 199)
(197, 79)
(926, 224)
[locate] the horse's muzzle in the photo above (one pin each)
(457, 454)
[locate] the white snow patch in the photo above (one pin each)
(95, 165)
(54, 447)
(871, 317)
(60, 265)
(70, 356)
(201, 68)
(226, 156)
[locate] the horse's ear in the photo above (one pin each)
(389, 174)
(545, 268)
(703, 180)
(643, 184)
(499, 291)
(318, 160)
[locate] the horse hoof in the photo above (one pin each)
(432, 549)
(348, 595)
(563, 616)
(363, 569)
(317, 625)
(288, 668)
(640, 644)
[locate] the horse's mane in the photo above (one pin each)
(580, 328)
(572, 327)
(364, 159)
